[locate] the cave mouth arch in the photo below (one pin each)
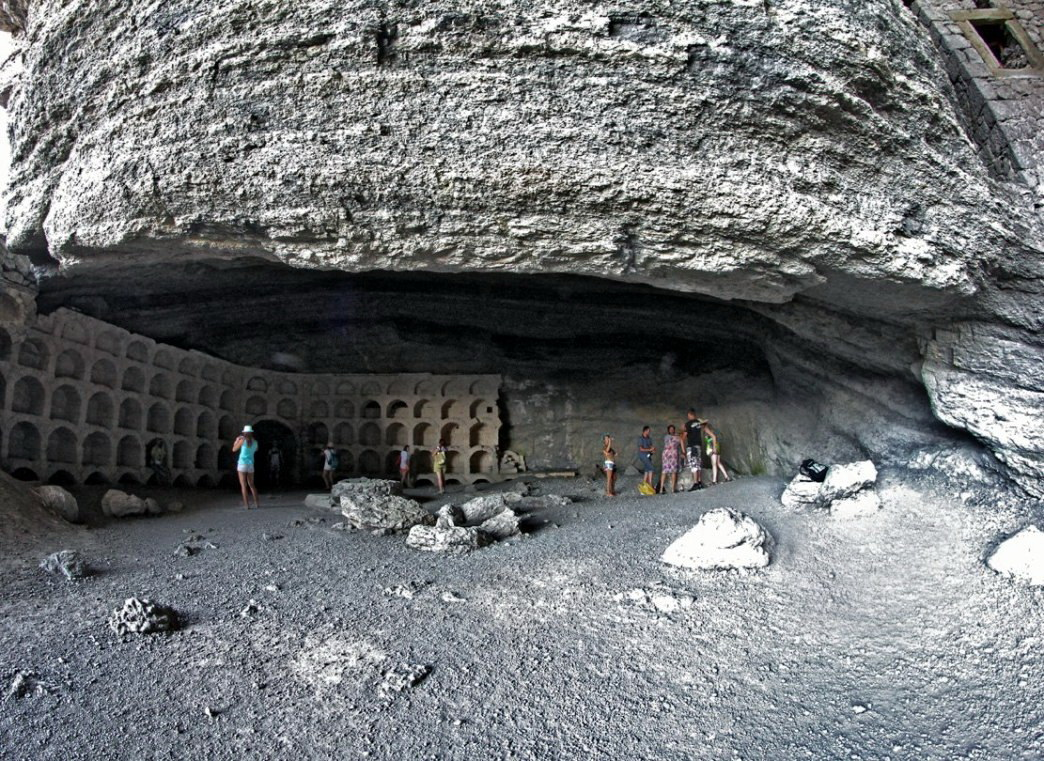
(270, 434)
(579, 356)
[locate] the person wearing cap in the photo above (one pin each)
(692, 438)
(329, 464)
(246, 445)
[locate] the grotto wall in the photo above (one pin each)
(824, 164)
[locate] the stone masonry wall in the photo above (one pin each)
(82, 401)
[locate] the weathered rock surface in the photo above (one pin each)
(454, 540)
(847, 479)
(450, 516)
(483, 508)
(847, 492)
(503, 525)
(66, 562)
(723, 538)
(119, 504)
(805, 159)
(142, 616)
(321, 501)
(375, 505)
(1021, 556)
(60, 502)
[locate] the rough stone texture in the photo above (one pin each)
(847, 491)
(450, 516)
(722, 539)
(366, 487)
(807, 158)
(59, 501)
(846, 479)
(503, 525)
(66, 562)
(455, 540)
(142, 616)
(860, 505)
(119, 504)
(1021, 556)
(320, 501)
(382, 512)
(483, 508)
(801, 492)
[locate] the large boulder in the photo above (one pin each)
(847, 492)
(1021, 556)
(119, 504)
(503, 525)
(454, 540)
(375, 505)
(68, 563)
(321, 501)
(59, 501)
(142, 616)
(847, 479)
(483, 508)
(723, 538)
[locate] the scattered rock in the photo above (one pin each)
(722, 539)
(66, 562)
(320, 501)
(659, 599)
(142, 616)
(26, 684)
(400, 590)
(404, 676)
(454, 541)
(341, 526)
(847, 491)
(152, 507)
(251, 609)
(186, 551)
(451, 597)
(1021, 556)
(848, 479)
(375, 504)
(270, 537)
(295, 523)
(118, 504)
(175, 507)
(59, 501)
(801, 492)
(857, 506)
(502, 525)
(483, 508)
(450, 516)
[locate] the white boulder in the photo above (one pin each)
(503, 525)
(454, 540)
(1021, 556)
(847, 492)
(483, 508)
(847, 479)
(58, 500)
(375, 504)
(320, 501)
(801, 492)
(858, 505)
(722, 539)
(118, 504)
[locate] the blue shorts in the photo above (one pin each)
(647, 461)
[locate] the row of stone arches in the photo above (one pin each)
(423, 434)
(371, 462)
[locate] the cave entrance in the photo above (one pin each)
(272, 435)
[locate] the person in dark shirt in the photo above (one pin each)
(693, 438)
(645, 454)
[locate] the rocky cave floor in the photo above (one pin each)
(881, 637)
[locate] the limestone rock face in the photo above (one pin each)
(59, 501)
(1021, 556)
(722, 539)
(847, 491)
(374, 504)
(803, 158)
(453, 540)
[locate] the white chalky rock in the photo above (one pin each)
(801, 492)
(858, 505)
(847, 479)
(319, 501)
(1021, 556)
(118, 504)
(60, 501)
(503, 525)
(723, 538)
(453, 541)
(483, 508)
(375, 504)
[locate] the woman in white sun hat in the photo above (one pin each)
(246, 445)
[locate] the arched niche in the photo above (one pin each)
(400, 387)
(227, 428)
(317, 434)
(69, 364)
(286, 409)
(164, 359)
(482, 435)
(28, 396)
(184, 422)
(130, 453)
(205, 457)
(481, 462)
(104, 373)
(424, 435)
(206, 425)
(208, 396)
(160, 386)
(108, 342)
(370, 411)
(398, 409)
(24, 442)
(33, 353)
(158, 419)
(424, 409)
(100, 410)
(345, 388)
(256, 406)
(228, 400)
(370, 435)
(371, 388)
(449, 434)
(75, 332)
(257, 383)
(344, 434)
(186, 392)
(61, 446)
(97, 450)
(287, 387)
(183, 455)
(319, 409)
(480, 408)
(397, 435)
(426, 387)
(369, 463)
(189, 366)
(133, 380)
(138, 351)
(345, 409)
(65, 404)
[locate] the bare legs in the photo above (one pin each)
(328, 479)
(246, 485)
(440, 476)
(716, 466)
(610, 482)
(674, 481)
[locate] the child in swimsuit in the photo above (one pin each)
(609, 457)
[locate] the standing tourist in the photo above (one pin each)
(671, 459)
(438, 460)
(645, 454)
(275, 464)
(710, 442)
(404, 466)
(609, 460)
(693, 441)
(246, 445)
(330, 463)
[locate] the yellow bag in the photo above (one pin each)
(646, 489)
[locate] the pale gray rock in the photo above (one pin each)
(152, 506)
(860, 505)
(801, 492)
(175, 506)
(321, 501)
(722, 539)
(66, 562)
(142, 616)
(846, 480)
(59, 501)
(450, 516)
(403, 676)
(366, 487)
(119, 504)
(383, 513)
(452, 541)
(1021, 556)
(26, 684)
(503, 525)
(483, 508)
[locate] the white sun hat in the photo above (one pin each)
(248, 429)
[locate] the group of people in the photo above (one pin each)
(246, 447)
(688, 448)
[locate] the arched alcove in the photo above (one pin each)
(448, 434)
(317, 434)
(205, 482)
(158, 420)
(319, 409)
(129, 452)
(97, 478)
(160, 386)
(184, 422)
(104, 373)
(371, 411)
(211, 373)
(398, 409)
(455, 387)
(391, 463)
(75, 332)
(186, 392)
(426, 388)
(97, 450)
(108, 342)
(226, 458)
(344, 434)
(133, 380)
(452, 462)
(25, 474)
(5, 345)
(421, 461)
(208, 396)
(164, 359)
(206, 425)
(287, 387)
(321, 388)
(424, 435)
(228, 400)
(424, 409)
(28, 396)
(396, 435)
(183, 482)
(227, 428)
(370, 435)
(62, 478)
(69, 364)
(257, 383)
(189, 366)
(65, 404)
(345, 409)
(183, 455)
(369, 463)
(61, 446)
(130, 414)
(481, 462)
(287, 409)
(23, 443)
(371, 388)
(453, 409)
(129, 479)
(205, 459)
(400, 387)
(347, 462)
(482, 435)
(345, 388)
(100, 409)
(138, 351)
(256, 406)
(34, 354)
(480, 408)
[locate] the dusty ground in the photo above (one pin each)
(879, 638)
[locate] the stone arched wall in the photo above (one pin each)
(81, 399)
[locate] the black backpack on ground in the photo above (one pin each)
(812, 470)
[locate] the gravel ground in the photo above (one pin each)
(883, 637)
